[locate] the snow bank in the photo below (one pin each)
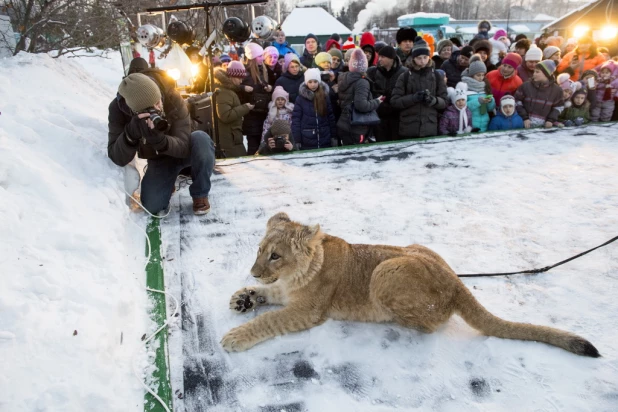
(72, 301)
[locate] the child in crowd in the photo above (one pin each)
(480, 99)
(443, 73)
(507, 117)
(606, 91)
(578, 113)
(539, 101)
(457, 118)
(568, 87)
(313, 121)
(278, 139)
(279, 108)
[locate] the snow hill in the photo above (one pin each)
(72, 263)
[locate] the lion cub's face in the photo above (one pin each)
(285, 250)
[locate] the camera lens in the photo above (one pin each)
(160, 123)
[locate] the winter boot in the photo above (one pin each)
(201, 206)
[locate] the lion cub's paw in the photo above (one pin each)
(246, 299)
(237, 340)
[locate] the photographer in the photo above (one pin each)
(149, 117)
(277, 139)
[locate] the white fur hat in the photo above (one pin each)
(534, 54)
(459, 92)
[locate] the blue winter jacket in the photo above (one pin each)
(310, 130)
(480, 120)
(284, 48)
(501, 122)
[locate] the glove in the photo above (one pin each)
(579, 121)
(418, 97)
(430, 100)
(475, 130)
(568, 123)
(138, 129)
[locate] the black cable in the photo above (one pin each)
(541, 270)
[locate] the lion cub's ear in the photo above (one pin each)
(306, 233)
(280, 217)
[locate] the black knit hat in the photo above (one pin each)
(456, 41)
(138, 65)
(405, 33)
(388, 51)
(335, 37)
(420, 48)
(311, 36)
(467, 51)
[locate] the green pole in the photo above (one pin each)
(154, 280)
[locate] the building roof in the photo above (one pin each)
(316, 20)
(573, 16)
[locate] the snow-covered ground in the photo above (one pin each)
(72, 303)
(502, 203)
(72, 298)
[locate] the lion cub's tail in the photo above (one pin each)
(479, 318)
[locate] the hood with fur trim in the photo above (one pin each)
(223, 80)
(308, 94)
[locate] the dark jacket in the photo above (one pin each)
(453, 70)
(177, 141)
(307, 58)
(310, 130)
(523, 72)
(254, 121)
(264, 149)
(230, 113)
(354, 88)
(382, 84)
(273, 74)
(540, 100)
(291, 84)
(419, 119)
(437, 61)
(501, 122)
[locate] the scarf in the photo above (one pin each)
(463, 120)
(474, 85)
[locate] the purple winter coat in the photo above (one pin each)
(449, 122)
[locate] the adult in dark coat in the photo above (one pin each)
(453, 67)
(312, 48)
(405, 40)
(484, 48)
(354, 88)
(256, 91)
(419, 110)
(230, 111)
(131, 132)
(292, 76)
(383, 80)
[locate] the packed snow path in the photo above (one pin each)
(498, 203)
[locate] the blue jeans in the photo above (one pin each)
(161, 174)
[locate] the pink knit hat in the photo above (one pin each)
(280, 92)
(253, 50)
(500, 33)
(236, 69)
(358, 61)
(289, 58)
(272, 50)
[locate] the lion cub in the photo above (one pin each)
(316, 276)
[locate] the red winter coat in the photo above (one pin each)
(367, 39)
(501, 86)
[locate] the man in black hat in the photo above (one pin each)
(384, 77)
(453, 67)
(405, 40)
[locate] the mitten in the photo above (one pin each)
(418, 97)
(475, 130)
(579, 121)
(568, 123)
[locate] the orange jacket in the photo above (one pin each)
(586, 63)
(501, 86)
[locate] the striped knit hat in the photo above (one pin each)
(349, 44)
(420, 48)
(548, 67)
(236, 69)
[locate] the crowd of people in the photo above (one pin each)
(346, 94)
